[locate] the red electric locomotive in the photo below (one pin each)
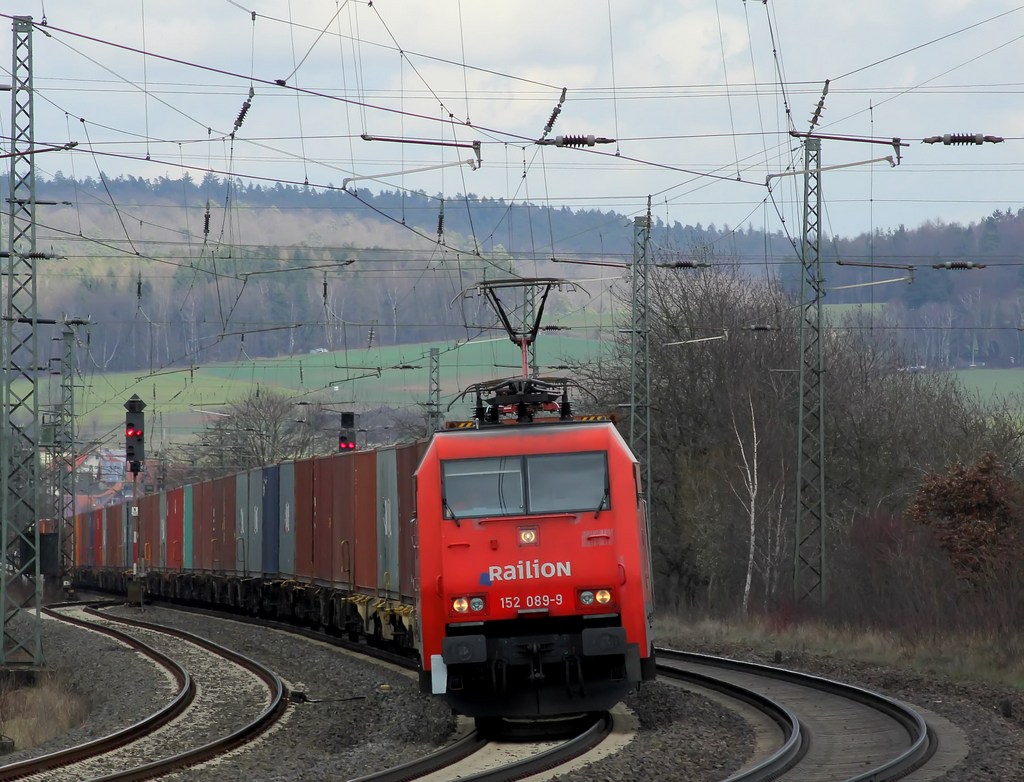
(535, 594)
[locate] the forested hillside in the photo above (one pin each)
(180, 271)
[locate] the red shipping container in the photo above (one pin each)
(344, 519)
(113, 549)
(96, 557)
(83, 539)
(202, 520)
(364, 551)
(175, 528)
(323, 512)
(148, 522)
(304, 519)
(408, 459)
(227, 513)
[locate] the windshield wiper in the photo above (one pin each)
(600, 505)
(451, 513)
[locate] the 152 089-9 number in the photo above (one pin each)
(530, 601)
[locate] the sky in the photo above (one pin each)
(699, 97)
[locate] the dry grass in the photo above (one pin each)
(35, 714)
(993, 657)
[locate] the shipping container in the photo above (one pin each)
(162, 562)
(240, 523)
(286, 520)
(202, 520)
(323, 512)
(98, 537)
(188, 537)
(388, 577)
(253, 531)
(343, 540)
(113, 537)
(147, 525)
(408, 458)
(271, 548)
(223, 529)
(364, 551)
(83, 539)
(304, 520)
(175, 528)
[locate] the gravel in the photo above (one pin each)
(362, 717)
(996, 741)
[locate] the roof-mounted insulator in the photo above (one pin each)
(958, 265)
(955, 139)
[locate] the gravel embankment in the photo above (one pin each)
(996, 742)
(366, 717)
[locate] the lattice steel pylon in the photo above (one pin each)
(64, 452)
(809, 576)
(435, 419)
(20, 479)
(640, 378)
(529, 315)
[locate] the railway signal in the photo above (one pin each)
(347, 435)
(135, 433)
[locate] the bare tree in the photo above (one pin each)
(263, 428)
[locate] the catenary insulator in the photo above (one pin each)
(575, 141)
(241, 114)
(551, 120)
(958, 265)
(956, 139)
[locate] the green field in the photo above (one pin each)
(992, 383)
(179, 402)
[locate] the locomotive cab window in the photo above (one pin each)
(567, 482)
(516, 485)
(483, 487)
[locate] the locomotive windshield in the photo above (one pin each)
(519, 485)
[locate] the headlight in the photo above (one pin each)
(528, 536)
(587, 597)
(476, 603)
(460, 604)
(603, 596)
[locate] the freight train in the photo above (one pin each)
(510, 551)
(513, 556)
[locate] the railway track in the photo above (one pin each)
(808, 728)
(817, 729)
(213, 691)
(474, 758)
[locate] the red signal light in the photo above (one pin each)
(131, 431)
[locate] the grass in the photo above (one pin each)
(976, 657)
(992, 383)
(179, 402)
(36, 713)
